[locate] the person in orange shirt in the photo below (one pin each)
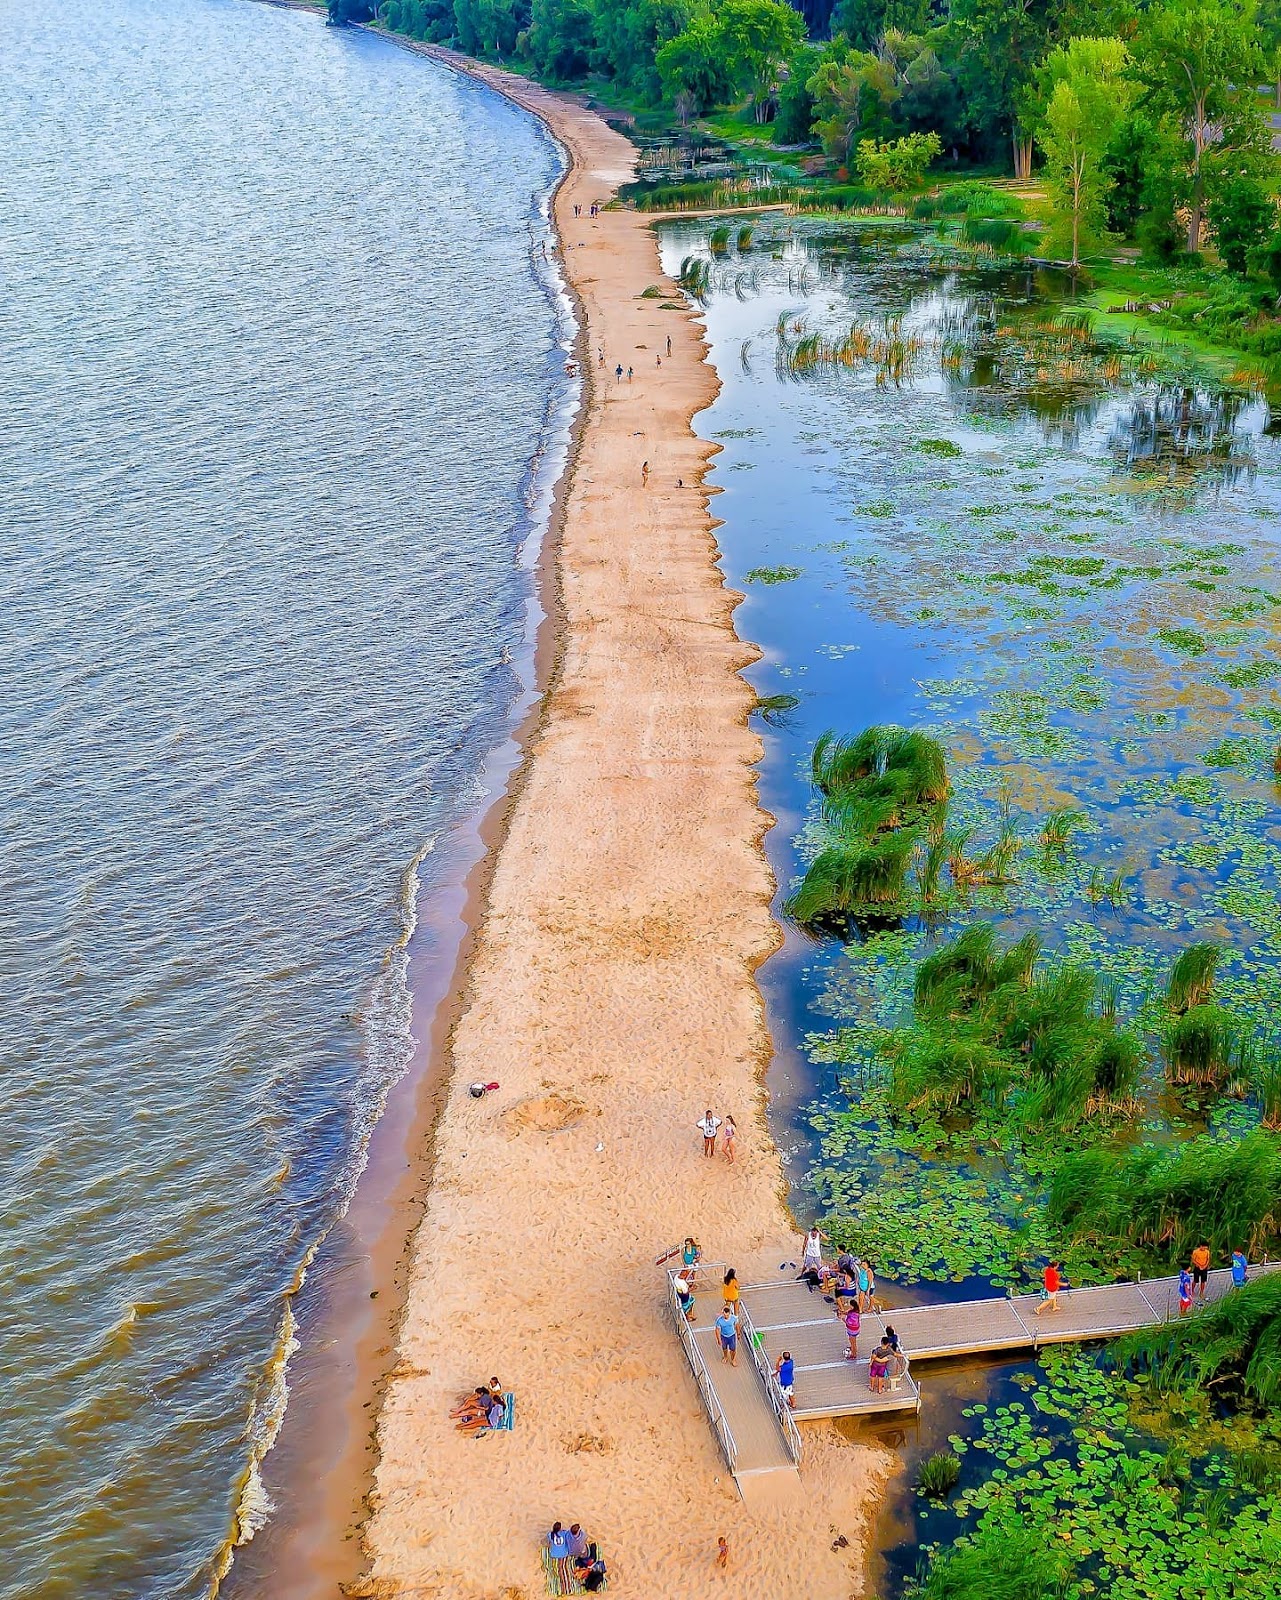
(1200, 1271)
(1053, 1283)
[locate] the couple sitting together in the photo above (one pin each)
(484, 1407)
(572, 1546)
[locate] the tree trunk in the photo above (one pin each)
(1022, 157)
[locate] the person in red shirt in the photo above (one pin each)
(1052, 1281)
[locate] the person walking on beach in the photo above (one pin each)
(644, 474)
(1240, 1269)
(629, 374)
(785, 1372)
(618, 372)
(727, 1333)
(1051, 1284)
(853, 1322)
(812, 1258)
(707, 1127)
(728, 1138)
(722, 1552)
(669, 344)
(1185, 1291)
(1201, 1270)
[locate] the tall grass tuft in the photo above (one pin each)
(1199, 1046)
(1227, 1194)
(1013, 1564)
(939, 1474)
(1192, 977)
(1232, 1344)
(718, 240)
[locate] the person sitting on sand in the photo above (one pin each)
(490, 1417)
(589, 1569)
(475, 1404)
(577, 1540)
(878, 1368)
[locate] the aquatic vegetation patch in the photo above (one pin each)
(1187, 641)
(772, 575)
(939, 447)
(1074, 1475)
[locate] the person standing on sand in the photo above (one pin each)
(1201, 1270)
(728, 1138)
(618, 372)
(644, 474)
(629, 374)
(722, 1552)
(1051, 1284)
(727, 1333)
(669, 344)
(707, 1127)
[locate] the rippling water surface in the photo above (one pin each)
(276, 364)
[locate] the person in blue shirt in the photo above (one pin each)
(1185, 1291)
(1240, 1268)
(727, 1329)
(785, 1372)
(558, 1542)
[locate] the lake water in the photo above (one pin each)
(282, 389)
(1060, 557)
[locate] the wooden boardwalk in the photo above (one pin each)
(757, 1434)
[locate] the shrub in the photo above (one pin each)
(1232, 1344)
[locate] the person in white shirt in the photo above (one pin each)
(707, 1127)
(813, 1257)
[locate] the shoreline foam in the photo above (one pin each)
(610, 990)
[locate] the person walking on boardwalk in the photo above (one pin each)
(1240, 1269)
(785, 1372)
(853, 1322)
(730, 1289)
(707, 1127)
(1201, 1270)
(1051, 1284)
(728, 1138)
(812, 1259)
(727, 1333)
(1185, 1291)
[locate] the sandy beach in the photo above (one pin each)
(611, 995)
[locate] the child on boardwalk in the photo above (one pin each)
(852, 1325)
(1052, 1283)
(1185, 1291)
(785, 1372)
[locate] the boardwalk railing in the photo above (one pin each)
(703, 1378)
(777, 1399)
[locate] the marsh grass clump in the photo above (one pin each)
(1057, 831)
(939, 1474)
(1192, 977)
(1169, 1200)
(881, 792)
(1232, 1347)
(744, 240)
(718, 240)
(1265, 1085)
(1013, 1564)
(1200, 1046)
(988, 1022)
(695, 276)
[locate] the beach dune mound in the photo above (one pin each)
(550, 1112)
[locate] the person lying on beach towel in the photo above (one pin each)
(472, 1405)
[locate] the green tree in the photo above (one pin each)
(560, 38)
(692, 65)
(897, 165)
(1001, 43)
(756, 39)
(850, 91)
(1242, 214)
(1193, 54)
(629, 35)
(490, 27)
(795, 102)
(1087, 96)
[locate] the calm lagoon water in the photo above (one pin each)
(279, 374)
(1064, 564)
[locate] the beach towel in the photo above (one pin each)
(559, 1572)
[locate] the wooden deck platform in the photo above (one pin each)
(757, 1433)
